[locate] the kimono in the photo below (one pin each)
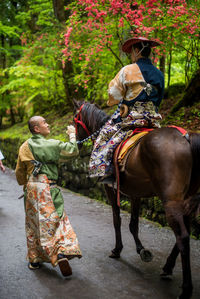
(140, 86)
(48, 229)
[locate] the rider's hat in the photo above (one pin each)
(127, 46)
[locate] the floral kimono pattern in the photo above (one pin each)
(47, 234)
(141, 114)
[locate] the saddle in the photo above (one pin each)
(130, 143)
(123, 150)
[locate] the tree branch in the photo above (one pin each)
(115, 55)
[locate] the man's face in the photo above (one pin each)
(42, 127)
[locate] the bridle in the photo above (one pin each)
(78, 120)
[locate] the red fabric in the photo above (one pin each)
(181, 130)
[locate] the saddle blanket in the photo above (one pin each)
(134, 139)
(131, 142)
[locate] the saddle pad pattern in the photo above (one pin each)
(129, 143)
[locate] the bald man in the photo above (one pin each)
(50, 237)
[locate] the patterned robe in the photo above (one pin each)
(140, 86)
(48, 229)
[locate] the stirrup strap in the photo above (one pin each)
(116, 165)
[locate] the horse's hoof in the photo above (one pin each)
(186, 295)
(166, 276)
(146, 255)
(114, 255)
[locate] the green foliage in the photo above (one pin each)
(44, 62)
(9, 31)
(34, 83)
(96, 30)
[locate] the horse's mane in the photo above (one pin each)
(93, 116)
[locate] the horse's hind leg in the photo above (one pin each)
(170, 263)
(145, 254)
(171, 260)
(111, 194)
(180, 226)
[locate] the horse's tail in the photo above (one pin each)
(195, 148)
(192, 204)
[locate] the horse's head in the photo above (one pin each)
(88, 119)
(81, 130)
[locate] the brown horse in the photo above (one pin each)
(163, 164)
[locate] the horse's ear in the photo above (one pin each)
(76, 103)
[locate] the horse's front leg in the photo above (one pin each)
(111, 194)
(145, 254)
(180, 226)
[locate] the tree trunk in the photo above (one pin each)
(59, 12)
(58, 7)
(169, 68)
(12, 115)
(191, 95)
(67, 70)
(162, 64)
(3, 57)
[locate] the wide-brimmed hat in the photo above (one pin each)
(127, 46)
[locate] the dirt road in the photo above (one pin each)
(95, 276)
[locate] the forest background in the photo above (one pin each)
(54, 51)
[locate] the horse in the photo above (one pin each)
(164, 164)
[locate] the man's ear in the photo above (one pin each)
(36, 129)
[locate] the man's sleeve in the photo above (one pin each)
(68, 149)
(20, 172)
(24, 166)
(116, 90)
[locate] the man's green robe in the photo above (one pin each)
(50, 152)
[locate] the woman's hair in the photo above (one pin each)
(146, 51)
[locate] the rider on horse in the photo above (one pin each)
(138, 90)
